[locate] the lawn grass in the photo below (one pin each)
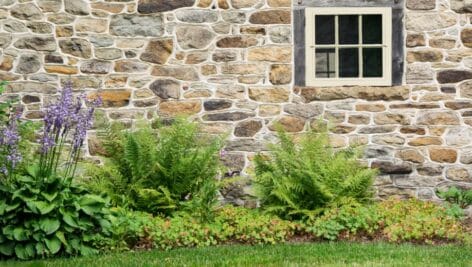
(317, 254)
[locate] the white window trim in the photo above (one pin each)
(310, 78)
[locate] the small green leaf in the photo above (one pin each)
(24, 252)
(7, 248)
(20, 234)
(40, 206)
(49, 196)
(53, 244)
(70, 219)
(49, 225)
(61, 237)
(40, 249)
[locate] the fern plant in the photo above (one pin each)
(299, 181)
(155, 169)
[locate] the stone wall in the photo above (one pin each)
(229, 64)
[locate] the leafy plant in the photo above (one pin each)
(301, 180)
(454, 195)
(157, 169)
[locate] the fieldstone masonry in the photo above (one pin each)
(229, 64)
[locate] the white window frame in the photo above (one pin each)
(310, 76)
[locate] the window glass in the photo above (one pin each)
(324, 28)
(325, 63)
(372, 29)
(348, 62)
(372, 62)
(349, 29)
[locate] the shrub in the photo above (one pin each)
(301, 180)
(41, 212)
(456, 196)
(156, 170)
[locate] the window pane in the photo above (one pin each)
(372, 61)
(324, 29)
(349, 29)
(372, 29)
(348, 62)
(325, 60)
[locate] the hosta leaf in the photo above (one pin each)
(20, 234)
(70, 219)
(53, 244)
(91, 204)
(41, 207)
(87, 251)
(49, 196)
(61, 237)
(24, 252)
(40, 249)
(7, 248)
(3, 206)
(49, 225)
(8, 231)
(12, 206)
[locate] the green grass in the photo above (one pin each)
(318, 254)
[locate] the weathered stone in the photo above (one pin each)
(217, 104)
(197, 15)
(370, 107)
(415, 39)
(425, 141)
(306, 111)
(279, 3)
(342, 129)
(271, 17)
(271, 53)
(158, 51)
(76, 47)
(14, 26)
(402, 193)
(391, 118)
(35, 43)
(446, 155)
(61, 69)
(108, 53)
(166, 88)
(377, 152)
(444, 43)
(453, 76)
(224, 56)
(91, 25)
(7, 63)
(419, 73)
(28, 63)
(461, 6)
(466, 37)
(466, 155)
(61, 18)
(135, 25)
(458, 136)
(230, 91)
(290, 124)
(361, 92)
(245, 144)
(194, 37)
(429, 21)
(266, 110)
(5, 40)
(223, 4)
(234, 17)
(438, 118)
(131, 66)
(108, 7)
(412, 155)
(228, 116)
(64, 31)
(247, 128)
(376, 129)
(392, 167)
(243, 68)
(424, 56)
(280, 74)
(244, 3)
(76, 7)
(269, 95)
(28, 99)
(458, 175)
(30, 87)
(95, 67)
(414, 106)
(112, 98)
(465, 89)
(158, 6)
(359, 119)
(28, 11)
(82, 82)
(416, 181)
(421, 4)
(413, 130)
(388, 139)
(204, 3)
(237, 42)
(429, 170)
(184, 73)
(253, 30)
(455, 105)
(40, 27)
(280, 34)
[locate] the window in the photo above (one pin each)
(348, 46)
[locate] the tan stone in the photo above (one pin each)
(466, 37)
(253, 30)
(114, 8)
(112, 98)
(173, 108)
(413, 130)
(425, 141)
(359, 119)
(465, 89)
(7, 63)
(271, 53)
(64, 31)
(370, 107)
(391, 118)
(360, 92)
(337, 141)
(269, 94)
(424, 56)
(197, 94)
(429, 21)
(437, 130)
(444, 43)
(266, 110)
(91, 25)
(458, 175)
(184, 73)
(279, 3)
(415, 39)
(158, 51)
(61, 69)
(280, 74)
(208, 70)
(223, 4)
(434, 97)
(271, 17)
(243, 68)
(342, 129)
(237, 42)
(412, 155)
(445, 155)
(117, 81)
(230, 91)
(438, 118)
(204, 3)
(289, 124)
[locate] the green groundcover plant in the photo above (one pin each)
(159, 169)
(42, 213)
(301, 180)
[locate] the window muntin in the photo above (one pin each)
(348, 46)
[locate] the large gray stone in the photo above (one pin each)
(77, 47)
(28, 11)
(76, 7)
(95, 67)
(197, 15)
(135, 25)
(28, 63)
(166, 88)
(36, 43)
(429, 21)
(14, 26)
(158, 6)
(194, 37)
(461, 6)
